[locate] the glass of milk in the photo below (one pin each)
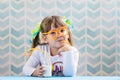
(47, 66)
(48, 70)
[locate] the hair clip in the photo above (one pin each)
(68, 22)
(36, 31)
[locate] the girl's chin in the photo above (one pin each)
(61, 43)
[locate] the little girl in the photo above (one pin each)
(53, 35)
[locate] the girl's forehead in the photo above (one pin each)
(53, 27)
(56, 25)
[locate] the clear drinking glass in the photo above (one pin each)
(46, 63)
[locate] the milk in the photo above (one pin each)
(48, 70)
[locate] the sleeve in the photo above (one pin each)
(70, 62)
(32, 63)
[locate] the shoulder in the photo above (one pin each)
(41, 49)
(74, 49)
(37, 50)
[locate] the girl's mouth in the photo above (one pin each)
(60, 39)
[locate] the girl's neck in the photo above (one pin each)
(53, 51)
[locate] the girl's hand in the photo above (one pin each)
(39, 71)
(66, 47)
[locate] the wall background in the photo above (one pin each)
(96, 32)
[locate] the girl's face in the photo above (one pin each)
(57, 37)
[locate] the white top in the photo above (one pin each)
(65, 65)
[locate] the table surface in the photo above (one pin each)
(60, 78)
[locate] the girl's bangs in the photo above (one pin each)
(58, 24)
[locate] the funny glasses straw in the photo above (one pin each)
(54, 33)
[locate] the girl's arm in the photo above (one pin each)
(70, 62)
(32, 63)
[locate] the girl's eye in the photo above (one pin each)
(62, 30)
(53, 33)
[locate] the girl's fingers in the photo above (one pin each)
(62, 49)
(41, 67)
(41, 71)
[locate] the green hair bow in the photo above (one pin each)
(68, 22)
(36, 31)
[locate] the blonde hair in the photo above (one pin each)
(45, 26)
